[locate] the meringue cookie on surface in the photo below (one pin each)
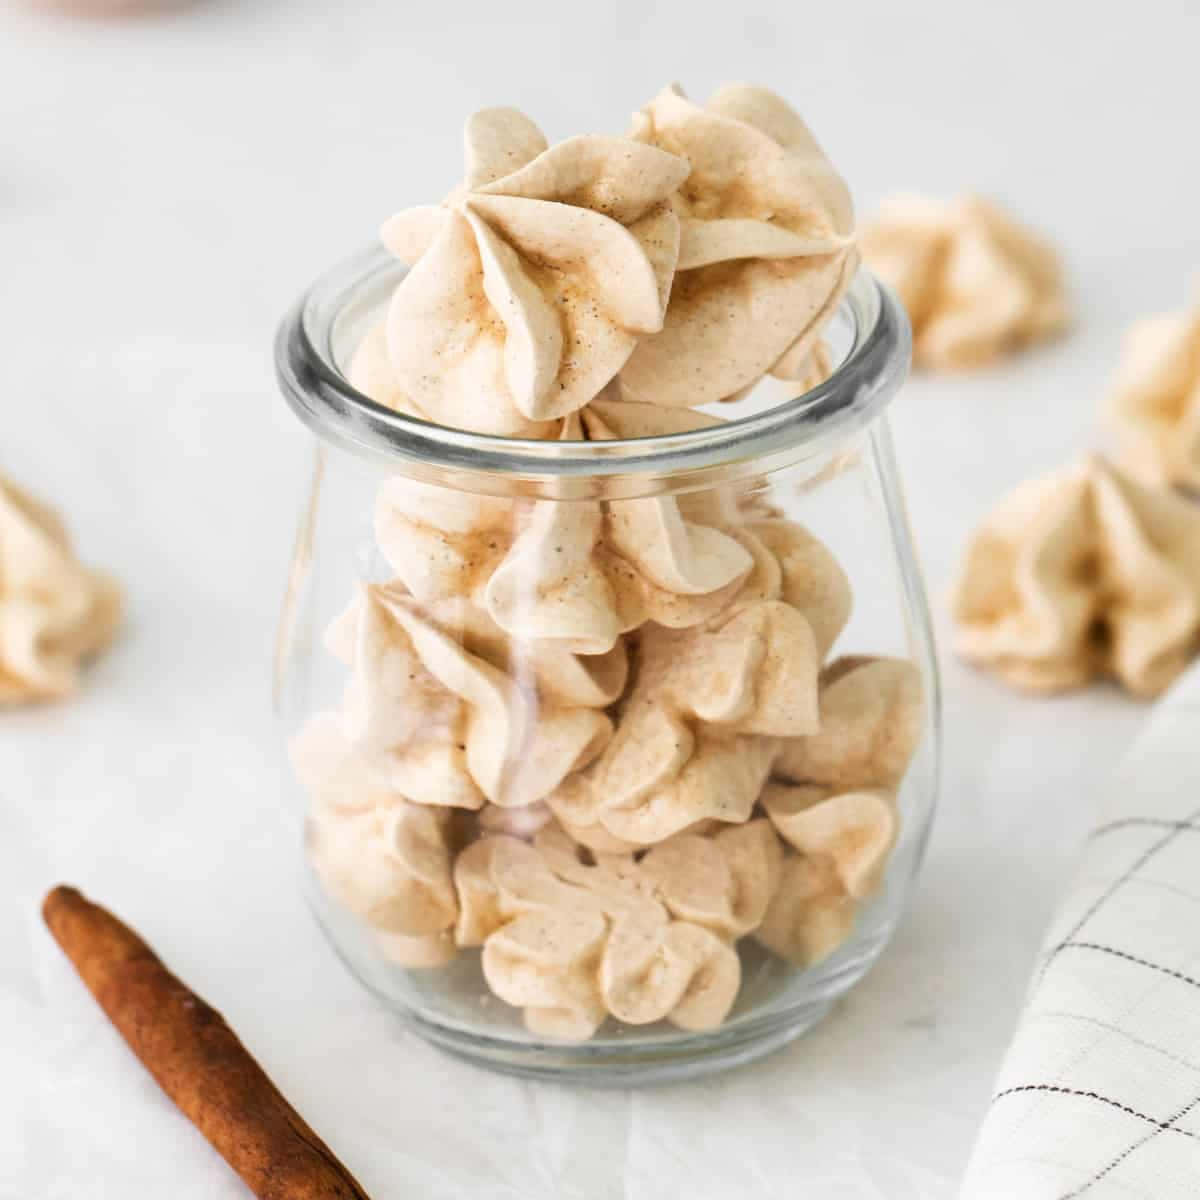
(54, 612)
(1154, 405)
(1079, 574)
(531, 284)
(766, 248)
(976, 285)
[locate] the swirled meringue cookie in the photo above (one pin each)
(574, 574)
(385, 859)
(530, 285)
(766, 248)
(871, 714)
(976, 284)
(1079, 574)
(697, 735)
(832, 802)
(1154, 405)
(54, 612)
(443, 726)
(572, 940)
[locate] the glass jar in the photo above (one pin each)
(611, 758)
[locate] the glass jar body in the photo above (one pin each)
(623, 776)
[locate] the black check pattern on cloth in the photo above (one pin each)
(1099, 1095)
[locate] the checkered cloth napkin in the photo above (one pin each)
(1099, 1095)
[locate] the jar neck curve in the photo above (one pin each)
(801, 427)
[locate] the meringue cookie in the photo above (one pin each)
(698, 734)
(571, 941)
(1083, 573)
(810, 578)
(1155, 400)
(842, 841)
(577, 574)
(531, 284)
(558, 675)
(723, 882)
(444, 727)
(54, 612)
(975, 284)
(854, 830)
(871, 717)
(547, 964)
(655, 968)
(766, 248)
(811, 913)
(384, 859)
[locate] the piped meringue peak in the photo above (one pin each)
(1080, 574)
(704, 250)
(1155, 401)
(975, 283)
(599, 742)
(531, 283)
(766, 247)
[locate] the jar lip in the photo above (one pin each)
(323, 398)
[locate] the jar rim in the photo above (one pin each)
(323, 398)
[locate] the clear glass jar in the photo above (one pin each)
(614, 759)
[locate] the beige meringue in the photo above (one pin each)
(699, 731)
(871, 718)
(1083, 573)
(547, 963)
(766, 248)
(573, 576)
(723, 881)
(570, 941)
(531, 284)
(54, 612)
(558, 675)
(976, 285)
(442, 726)
(576, 574)
(382, 858)
(1155, 400)
(854, 830)
(655, 968)
(842, 841)
(811, 913)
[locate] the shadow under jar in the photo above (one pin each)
(615, 756)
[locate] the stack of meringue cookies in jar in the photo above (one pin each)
(601, 743)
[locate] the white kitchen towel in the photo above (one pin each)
(1099, 1095)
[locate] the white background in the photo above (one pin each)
(166, 187)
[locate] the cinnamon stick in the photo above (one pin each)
(196, 1058)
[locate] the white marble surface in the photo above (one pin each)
(166, 186)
